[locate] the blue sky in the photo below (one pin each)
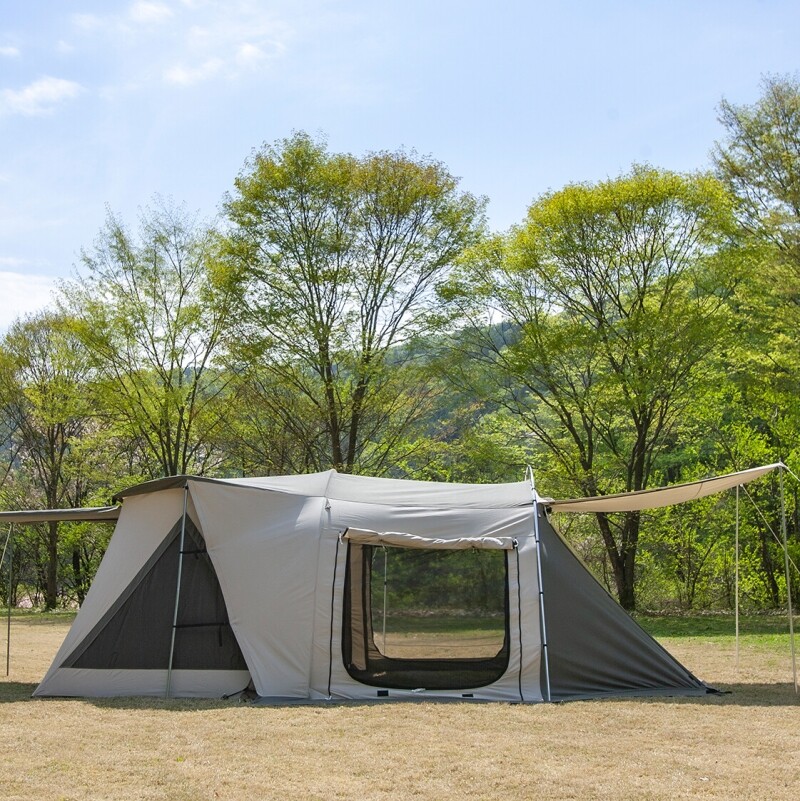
(106, 104)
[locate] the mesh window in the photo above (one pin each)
(433, 619)
(136, 631)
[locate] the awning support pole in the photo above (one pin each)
(788, 580)
(10, 547)
(168, 693)
(542, 621)
(736, 576)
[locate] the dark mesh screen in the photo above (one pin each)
(433, 619)
(137, 630)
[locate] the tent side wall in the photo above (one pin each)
(594, 647)
(264, 546)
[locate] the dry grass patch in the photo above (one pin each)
(745, 745)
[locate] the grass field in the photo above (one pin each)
(745, 745)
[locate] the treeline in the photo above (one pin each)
(356, 313)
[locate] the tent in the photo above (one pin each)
(331, 586)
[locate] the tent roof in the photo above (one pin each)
(661, 496)
(400, 492)
(365, 489)
(96, 514)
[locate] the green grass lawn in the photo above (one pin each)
(716, 625)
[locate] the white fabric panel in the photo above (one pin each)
(113, 683)
(263, 546)
(392, 492)
(661, 496)
(311, 484)
(402, 540)
(144, 522)
(434, 522)
(529, 620)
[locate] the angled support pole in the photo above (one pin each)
(181, 548)
(9, 546)
(788, 579)
(542, 621)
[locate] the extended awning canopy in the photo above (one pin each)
(91, 515)
(661, 496)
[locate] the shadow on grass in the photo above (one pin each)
(778, 694)
(741, 695)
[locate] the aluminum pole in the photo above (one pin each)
(177, 591)
(10, 546)
(542, 621)
(736, 577)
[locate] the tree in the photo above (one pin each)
(603, 306)
(153, 323)
(335, 259)
(44, 377)
(759, 160)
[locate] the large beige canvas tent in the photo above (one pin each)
(331, 586)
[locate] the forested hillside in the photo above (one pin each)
(355, 312)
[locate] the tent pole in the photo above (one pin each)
(385, 576)
(177, 591)
(788, 581)
(542, 620)
(736, 579)
(10, 547)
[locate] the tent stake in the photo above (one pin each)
(788, 580)
(10, 546)
(177, 591)
(542, 620)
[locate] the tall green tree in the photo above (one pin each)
(153, 322)
(335, 259)
(44, 381)
(759, 160)
(593, 319)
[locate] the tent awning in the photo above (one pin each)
(661, 496)
(90, 515)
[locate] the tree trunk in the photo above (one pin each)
(51, 583)
(622, 557)
(77, 573)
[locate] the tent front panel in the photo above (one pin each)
(330, 677)
(143, 524)
(264, 546)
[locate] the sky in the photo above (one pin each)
(106, 104)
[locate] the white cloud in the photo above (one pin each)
(22, 293)
(87, 22)
(187, 76)
(249, 56)
(145, 12)
(9, 51)
(188, 42)
(39, 97)
(64, 47)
